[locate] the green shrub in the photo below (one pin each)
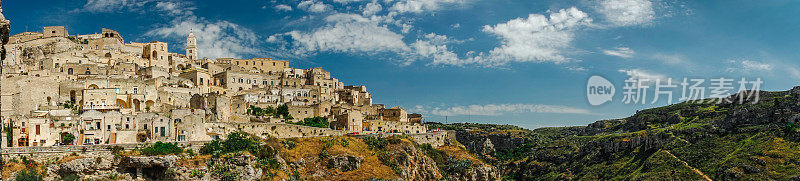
(71, 177)
(223, 172)
(289, 144)
(196, 173)
(282, 110)
(320, 122)
(116, 150)
(236, 142)
(458, 165)
(438, 156)
(376, 143)
(29, 175)
(160, 148)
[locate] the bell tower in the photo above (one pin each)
(191, 46)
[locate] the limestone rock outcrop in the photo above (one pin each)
(345, 163)
(148, 162)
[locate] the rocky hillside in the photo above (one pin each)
(245, 157)
(685, 141)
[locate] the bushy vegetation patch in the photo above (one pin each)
(161, 148)
(319, 122)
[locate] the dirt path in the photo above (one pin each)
(687, 164)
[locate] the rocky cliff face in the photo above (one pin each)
(5, 29)
(318, 158)
(708, 140)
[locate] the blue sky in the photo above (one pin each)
(515, 62)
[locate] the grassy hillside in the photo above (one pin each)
(688, 141)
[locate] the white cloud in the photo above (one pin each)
(576, 68)
(639, 74)
(672, 59)
(748, 66)
(350, 33)
(372, 8)
(105, 6)
(455, 26)
(627, 12)
(346, 1)
(214, 39)
(438, 52)
(753, 65)
(537, 38)
(314, 6)
(623, 52)
(419, 6)
(176, 8)
(500, 109)
(283, 7)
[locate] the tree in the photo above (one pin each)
(320, 122)
(10, 134)
(161, 148)
(67, 138)
(270, 110)
(29, 175)
(283, 110)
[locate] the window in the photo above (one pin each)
(108, 127)
(98, 125)
(163, 130)
(127, 126)
(37, 130)
(201, 81)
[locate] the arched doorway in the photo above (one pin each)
(123, 104)
(149, 104)
(136, 104)
(155, 55)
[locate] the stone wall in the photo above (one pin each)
(56, 152)
(278, 130)
(434, 138)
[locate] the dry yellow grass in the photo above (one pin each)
(11, 168)
(309, 149)
(68, 158)
(194, 162)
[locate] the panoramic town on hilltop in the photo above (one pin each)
(142, 90)
(83, 89)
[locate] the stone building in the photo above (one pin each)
(263, 65)
(54, 31)
(191, 46)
